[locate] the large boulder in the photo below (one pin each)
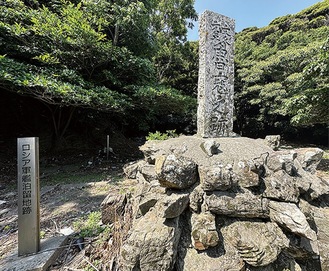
(258, 243)
(244, 204)
(321, 220)
(151, 244)
(309, 158)
(281, 186)
(175, 172)
(290, 217)
(217, 177)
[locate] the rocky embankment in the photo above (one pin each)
(223, 204)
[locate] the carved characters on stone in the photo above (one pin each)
(216, 75)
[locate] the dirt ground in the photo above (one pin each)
(71, 188)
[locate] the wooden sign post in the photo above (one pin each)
(28, 195)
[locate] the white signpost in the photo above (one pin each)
(28, 195)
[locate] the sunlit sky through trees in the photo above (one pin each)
(248, 13)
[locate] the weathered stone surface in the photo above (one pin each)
(196, 199)
(290, 217)
(217, 177)
(282, 160)
(281, 186)
(131, 169)
(148, 172)
(258, 244)
(321, 219)
(237, 204)
(204, 233)
(216, 75)
(151, 245)
(311, 185)
(112, 207)
(309, 158)
(247, 174)
(273, 141)
(174, 205)
(214, 259)
(175, 172)
(232, 150)
(283, 263)
(146, 204)
(211, 147)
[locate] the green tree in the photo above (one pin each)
(94, 54)
(282, 73)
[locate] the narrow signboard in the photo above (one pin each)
(28, 195)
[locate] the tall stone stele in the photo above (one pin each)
(216, 76)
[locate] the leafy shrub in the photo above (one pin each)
(89, 226)
(162, 136)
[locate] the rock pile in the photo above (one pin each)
(226, 204)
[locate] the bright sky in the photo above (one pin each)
(248, 13)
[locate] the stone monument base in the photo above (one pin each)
(50, 250)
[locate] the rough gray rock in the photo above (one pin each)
(148, 172)
(131, 169)
(283, 263)
(289, 216)
(211, 260)
(281, 186)
(151, 244)
(282, 160)
(204, 233)
(311, 185)
(273, 141)
(309, 158)
(211, 147)
(243, 204)
(196, 199)
(230, 194)
(248, 174)
(321, 220)
(174, 205)
(175, 172)
(258, 243)
(217, 177)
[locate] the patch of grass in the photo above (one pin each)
(89, 226)
(326, 154)
(162, 136)
(70, 177)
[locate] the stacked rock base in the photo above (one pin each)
(226, 204)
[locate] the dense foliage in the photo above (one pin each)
(105, 55)
(282, 74)
(130, 59)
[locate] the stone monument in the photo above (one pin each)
(216, 76)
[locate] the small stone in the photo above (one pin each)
(273, 141)
(174, 205)
(211, 147)
(204, 233)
